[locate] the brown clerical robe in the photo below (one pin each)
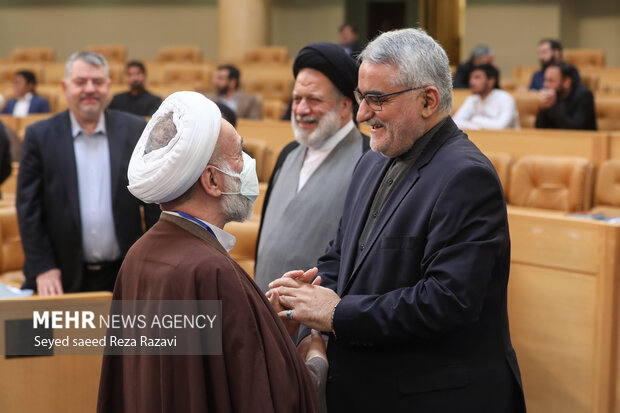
(260, 369)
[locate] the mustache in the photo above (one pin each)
(301, 118)
(90, 95)
(374, 122)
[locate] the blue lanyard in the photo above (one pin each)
(197, 221)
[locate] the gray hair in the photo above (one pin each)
(92, 58)
(161, 134)
(480, 51)
(420, 61)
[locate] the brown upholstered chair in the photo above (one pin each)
(607, 191)
(503, 165)
(607, 112)
(11, 253)
(527, 105)
(179, 54)
(585, 57)
(273, 109)
(259, 150)
(9, 186)
(245, 247)
(114, 53)
(197, 75)
(33, 54)
(559, 183)
(267, 54)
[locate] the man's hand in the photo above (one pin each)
(312, 304)
(546, 98)
(49, 283)
(317, 347)
(274, 299)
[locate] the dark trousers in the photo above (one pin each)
(100, 277)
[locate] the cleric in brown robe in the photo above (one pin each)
(190, 162)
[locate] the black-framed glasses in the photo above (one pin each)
(374, 101)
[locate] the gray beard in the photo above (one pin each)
(327, 126)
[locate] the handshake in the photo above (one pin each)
(298, 298)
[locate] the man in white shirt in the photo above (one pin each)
(307, 189)
(488, 107)
(25, 99)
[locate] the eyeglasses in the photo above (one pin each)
(374, 101)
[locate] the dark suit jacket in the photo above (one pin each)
(576, 111)
(38, 104)
(5, 156)
(48, 208)
(423, 325)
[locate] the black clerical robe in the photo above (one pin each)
(260, 369)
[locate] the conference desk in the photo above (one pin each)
(563, 297)
(58, 383)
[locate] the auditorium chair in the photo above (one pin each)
(521, 78)
(260, 200)
(273, 109)
(503, 163)
(154, 72)
(527, 105)
(29, 120)
(244, 250)
(9, 186)
(458, 97)
(11, 254)
(609, 81)
(179, 54)
(270, 88)
(590, 80)
(585, 57)
(607, 190)
(33, 54)
(114, 53)
(197, 75)
(557, 183)
(260, 151)
(53, 74)
(607, 112)
(267, 54)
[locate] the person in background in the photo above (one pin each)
(349, 39)
(564, 102)
(227, 81)
(137, 99)
(488, 107)
(76, 217)
(26, 100)
(481, 55)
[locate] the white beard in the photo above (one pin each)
(327, 126)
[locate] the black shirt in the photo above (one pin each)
(144, 104)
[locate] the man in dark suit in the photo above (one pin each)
(413, 287)
(76, 217)
(26, 100)
(564, 102)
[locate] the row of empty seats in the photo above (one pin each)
(118, 53)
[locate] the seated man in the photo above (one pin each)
(26, 100)
(481, 55)
(190, 162)
(137, 100)
(565, 103)
(227, 81)
(488, 107)
(549, 51)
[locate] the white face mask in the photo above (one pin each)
(248, 178)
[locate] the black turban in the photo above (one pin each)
(331, 60)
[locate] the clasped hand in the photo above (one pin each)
(310, 303)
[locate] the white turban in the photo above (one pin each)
(166, 173)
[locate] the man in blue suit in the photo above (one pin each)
(26, 100)
(413, 287)
(76, 216)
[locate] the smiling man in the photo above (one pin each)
(413, 286)
(307, 188)
(76, 217)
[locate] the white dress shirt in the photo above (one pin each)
(92, 160)
(226, 240)
(22, 106)
(497, 111)
(315, 156)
